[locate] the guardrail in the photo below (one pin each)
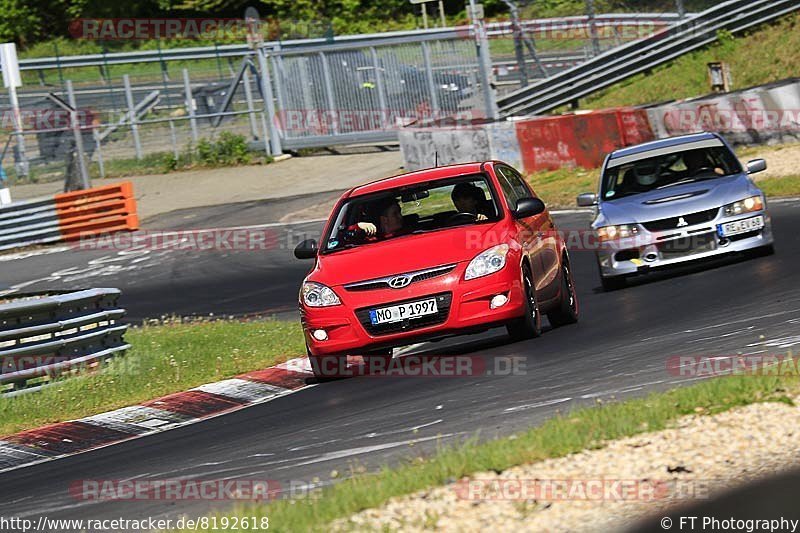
(240, 50)
(639, 56)
(44, 337)
(68, 216)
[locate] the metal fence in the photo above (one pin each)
(154, 107)
(364, 92)
(44, 337)
(125, 125)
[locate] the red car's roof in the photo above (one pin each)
(418, 176)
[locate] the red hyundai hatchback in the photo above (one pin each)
(430, 254)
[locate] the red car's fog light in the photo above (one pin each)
(498, 300)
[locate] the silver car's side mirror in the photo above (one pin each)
(587, 199)
(756, 165)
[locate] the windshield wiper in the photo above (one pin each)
(679, 182)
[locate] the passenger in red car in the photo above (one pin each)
(469, 198)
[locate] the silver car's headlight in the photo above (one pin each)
(318, 295)
(487, 262)
(622, 231)
(753, 203)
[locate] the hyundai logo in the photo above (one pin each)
(398, 282)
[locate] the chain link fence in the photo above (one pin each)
(127, 124)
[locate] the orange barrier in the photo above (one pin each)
(96, 211)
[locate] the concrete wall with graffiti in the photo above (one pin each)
(758, 115)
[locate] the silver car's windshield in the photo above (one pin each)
(667, 170)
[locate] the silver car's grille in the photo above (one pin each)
(689, 219)
(687, 246)
(413, 277)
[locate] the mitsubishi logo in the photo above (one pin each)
(682, 222)
(398, 282)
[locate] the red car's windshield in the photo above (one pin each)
(421, 208)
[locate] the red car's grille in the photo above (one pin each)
(443, 302)
(413, 277)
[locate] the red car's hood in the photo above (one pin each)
(406, 254)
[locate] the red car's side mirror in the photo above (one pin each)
(307, 249)
(528, 207)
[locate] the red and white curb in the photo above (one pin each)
(175, 410)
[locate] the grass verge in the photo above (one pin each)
(558, 188)
(777, 187)
(559, 436)
(164, 359)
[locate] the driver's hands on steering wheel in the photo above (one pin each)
(480, 216)
(368, 228)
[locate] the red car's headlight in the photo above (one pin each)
(487, 262)
(318, 295)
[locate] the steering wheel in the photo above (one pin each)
(462, 216)
(702, 170)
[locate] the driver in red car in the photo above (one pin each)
(390, 223)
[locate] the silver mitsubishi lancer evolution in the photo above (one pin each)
(675, 200)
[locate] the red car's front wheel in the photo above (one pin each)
(567, 310)
(529, 325)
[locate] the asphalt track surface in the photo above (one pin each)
(619, 349)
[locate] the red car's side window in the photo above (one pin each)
(513, 186)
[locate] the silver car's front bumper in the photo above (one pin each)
(681, 245)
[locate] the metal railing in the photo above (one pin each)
(622, 62)
(44, 337)
(241, 50)
(353, 89)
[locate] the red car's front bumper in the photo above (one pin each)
(469, 309)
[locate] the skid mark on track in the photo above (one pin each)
(366, 449)
(545, 403)
(403, 430)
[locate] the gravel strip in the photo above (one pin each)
(697, 458)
